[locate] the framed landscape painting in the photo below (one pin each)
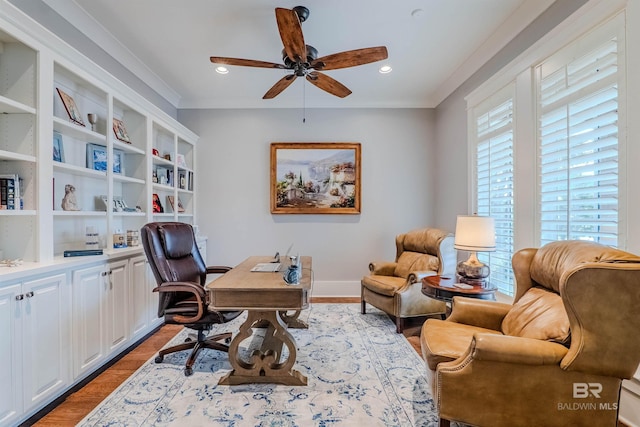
(315, 178)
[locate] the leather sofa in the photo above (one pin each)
(396, 287)
(556, 357)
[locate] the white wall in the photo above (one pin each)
(233, 186)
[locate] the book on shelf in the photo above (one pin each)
(82, 252)
(157, 205)
(190, 182)
(10, 193)
(172, 203)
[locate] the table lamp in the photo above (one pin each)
(474, 234)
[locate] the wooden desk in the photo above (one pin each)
(267, 298)
(441, 288)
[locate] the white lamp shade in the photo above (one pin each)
(475, 233)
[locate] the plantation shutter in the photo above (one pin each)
(578, 107)
(494, 186)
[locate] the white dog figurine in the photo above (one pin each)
(69, 201)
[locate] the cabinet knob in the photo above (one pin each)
(29, 294)
(19, 297)
(104, 273)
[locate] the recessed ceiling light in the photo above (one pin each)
(385, 69)
(222, 70)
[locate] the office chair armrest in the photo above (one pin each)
(197, 290)
(218, 269)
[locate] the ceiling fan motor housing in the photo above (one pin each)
(302, 12)
(312, 55)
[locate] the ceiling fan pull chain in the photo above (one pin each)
(304, 101)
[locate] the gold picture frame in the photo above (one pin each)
(120, 131)
(71, 107)
(315, 178)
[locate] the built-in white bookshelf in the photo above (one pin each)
(111, 165)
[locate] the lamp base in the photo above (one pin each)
(472, 271)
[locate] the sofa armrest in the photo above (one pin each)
(524, 351)
(382, 268)
(477, 312)
(417, 276)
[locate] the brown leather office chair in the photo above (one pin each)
(556, 357)
(181, 275)
(396, 287)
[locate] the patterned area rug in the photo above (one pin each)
(360, 373)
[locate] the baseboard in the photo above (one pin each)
(629, 411)
(336, 289)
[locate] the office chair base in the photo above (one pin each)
(212, 342)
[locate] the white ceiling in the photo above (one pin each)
(434, 45)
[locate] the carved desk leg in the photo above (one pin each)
(292, 320)
(264, 364)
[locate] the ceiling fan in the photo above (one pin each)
(303, 59)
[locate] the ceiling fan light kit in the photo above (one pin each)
(302, 59)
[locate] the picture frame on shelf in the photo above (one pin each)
(157, 205)
(182, 180)
(120, 131)
(315, 178)
(71, 107)
(162, 175)
(105, 202)
(97, 157)
(181, 162)
(119, 204)
(180, 206)
(118, 162)
(58, 148)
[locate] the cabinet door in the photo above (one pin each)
(140, 298)
(88, 314)
(10, 355)
(117, 303)
(154, 300)
(46, 333)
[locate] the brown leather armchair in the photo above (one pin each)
(396, 287)
(181, 274)
(556, 357)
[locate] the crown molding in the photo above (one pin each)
(85, 23)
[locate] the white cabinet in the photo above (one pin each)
(88, 318)
(36, 344)
(144, 302)
(140, 295)
(100, 314)
(117, 303)
(10, 355)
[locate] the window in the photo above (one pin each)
(494, 184)
(547, 138)
(578, 147)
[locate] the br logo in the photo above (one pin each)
(584, 390)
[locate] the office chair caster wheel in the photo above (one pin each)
(227, 340)
(158, 359)
(188, 372)
(188, 339)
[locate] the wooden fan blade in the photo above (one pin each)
(281, 85)
(350, 58)
(245, 62)
(328, 84)
(291, 34)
